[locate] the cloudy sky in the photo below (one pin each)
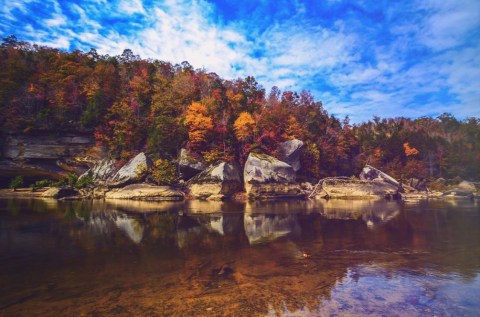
(360, 58)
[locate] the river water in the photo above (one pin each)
(287, 258)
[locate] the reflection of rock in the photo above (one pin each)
(373, 212)
(290, 153)
(266, 177)
(188, 165)
(131, 227)
(216, 182)
(140, 206)
(130, 172)
(282, 206)
(262, 228)
(351, 188)
(145, 192)
(370, 173)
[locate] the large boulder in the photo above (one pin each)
(466, 185)
(290, 153)
(189, 165)
(131, 172)
(216, 182)
(363, 189)
(266, 177)
(370, 173)
(101, 171)
(145, 192)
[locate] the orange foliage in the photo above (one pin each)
(198, 122)
(244, 126)
(409, 151)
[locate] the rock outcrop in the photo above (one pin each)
(131, 172)
(370, 173)
(46, 155)
(363, 189)
(145, 192)
(266, 177)
(188, 165)
(216, 182)
(290, 153)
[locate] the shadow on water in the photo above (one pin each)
(299, 258)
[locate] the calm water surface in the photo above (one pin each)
(322, 258)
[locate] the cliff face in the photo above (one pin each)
(46, 155)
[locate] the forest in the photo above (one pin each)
(132, 104)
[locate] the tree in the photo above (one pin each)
(244, 127)
(16, 182)
(199, 124)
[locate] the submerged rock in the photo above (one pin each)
(131, 172)
(58, 193)
(145, 192)
(290, 153)
(370, 173)
(216, 182)
(188, 165)
(266, 177)
(351, 188)
(458, 193)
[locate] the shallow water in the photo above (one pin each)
(287, 258)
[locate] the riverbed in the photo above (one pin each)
(198, 258)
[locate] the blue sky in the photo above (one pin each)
(360, 58)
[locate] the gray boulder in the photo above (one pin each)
(101, 171)
(188, 165)
(216, 182)
(132, 172)
(290, 153)
(370, 173)
(266, 177)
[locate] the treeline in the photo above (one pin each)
(132, 105)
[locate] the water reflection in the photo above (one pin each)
(299, 258)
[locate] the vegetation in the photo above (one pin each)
(133, 105)
(16, 182)
(164, 172)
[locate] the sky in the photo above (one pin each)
(360, 58)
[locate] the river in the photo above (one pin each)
(283, 258)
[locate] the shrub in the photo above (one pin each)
(163, 172)
(83, 182)
(72, 179)
(141, 171)
(16, 182)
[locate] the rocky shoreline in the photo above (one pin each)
(262, 177)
